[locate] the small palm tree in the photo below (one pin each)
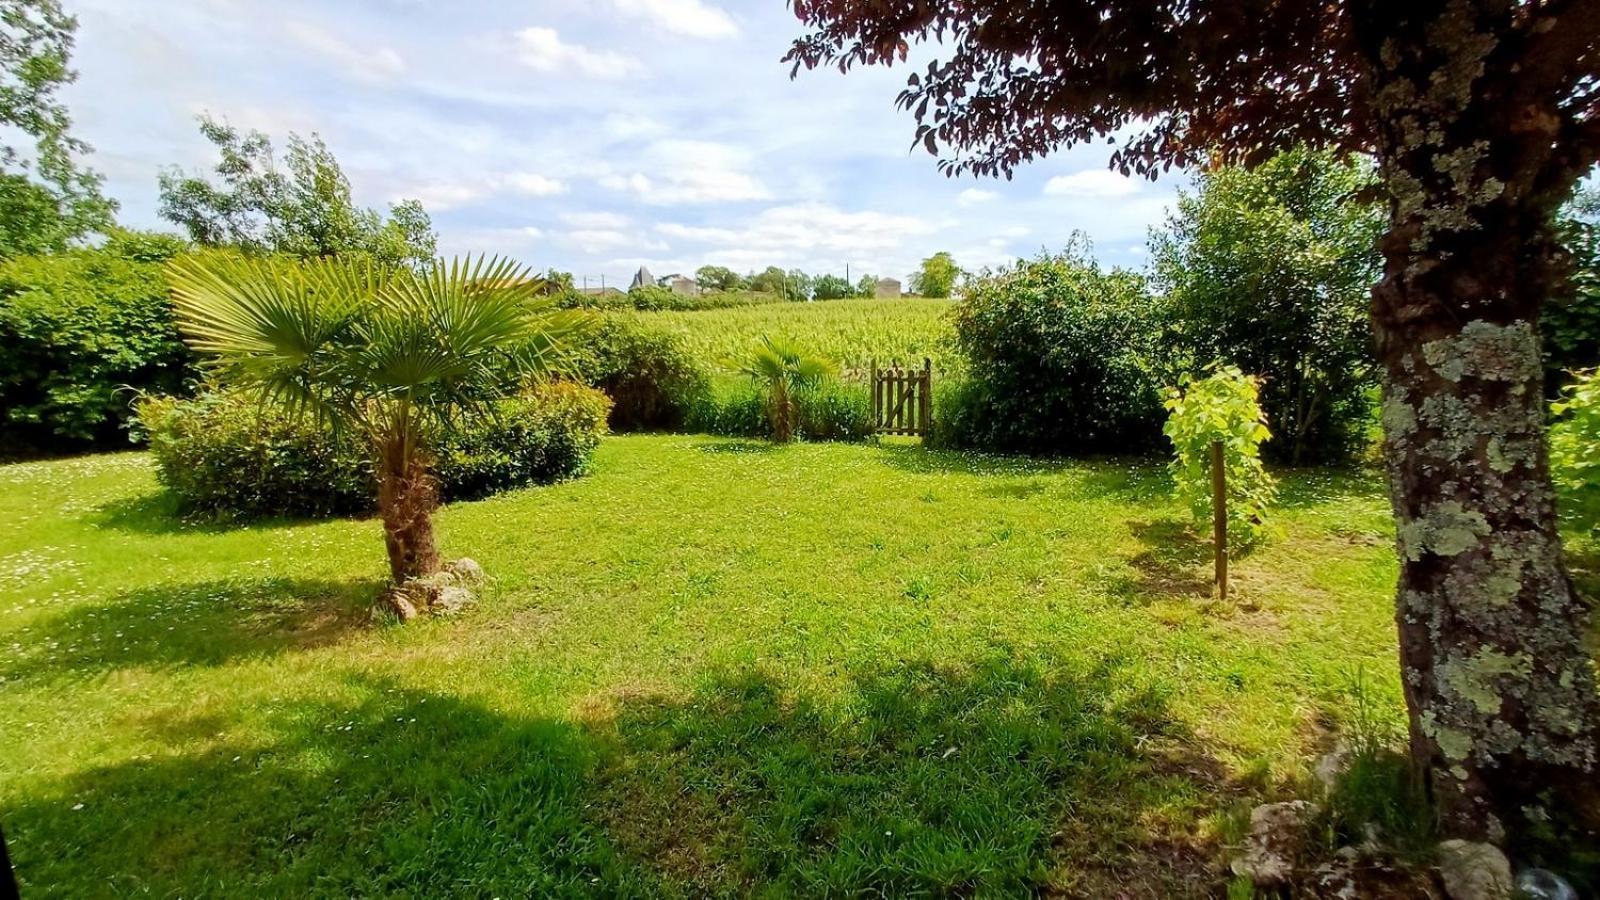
(787, 370)
(393, 354)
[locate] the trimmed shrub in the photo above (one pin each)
(226, 457)
(80, 328)
(229, 458)
(1059, 360)
(544, 434)
(651, 380)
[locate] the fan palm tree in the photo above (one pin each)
(393, 354)
(786, 370)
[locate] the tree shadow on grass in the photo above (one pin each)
(158, 513)
(206, 624)
(997, 778)
(398, 793)
(1171, 561)
(1307, 488)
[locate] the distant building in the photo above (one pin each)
(642, 278)
(607, 291)
(682, 285)
(887, 288)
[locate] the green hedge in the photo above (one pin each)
(227, 457)
(649, 376)
(79, 330)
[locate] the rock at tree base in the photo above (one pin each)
(1474, 871)
(1277, 840)
(443, 593)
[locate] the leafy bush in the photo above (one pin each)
(1222, 407)
(79, 328)
(1571, 324)
(1575, 449)
(544, 434)
(651, 379)
(1270, 269)
(227, 457)
(1059, 357)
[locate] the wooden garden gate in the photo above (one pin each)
(902, 399)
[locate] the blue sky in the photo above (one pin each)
(591, 136)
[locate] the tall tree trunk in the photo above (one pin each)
(1498, 681)
(407, 497)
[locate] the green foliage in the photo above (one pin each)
(1575, 450)
(786, 370)
(46, 198)
(834, 410)
(718, 278)
(1270, 269)
(1377, 785)
(1570, 325)
(832, 287)
(937, 275)
(80, 329)
(1224, 408)
(302, 209)
(545, 433)
(651, 379)
(793, 285)
(1059, 357)
(652, 297)
(225, 456)
(386, 352)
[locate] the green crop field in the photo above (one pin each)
(852, 332)
(711, 668)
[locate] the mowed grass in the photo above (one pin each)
(711, 668)
(851, 332)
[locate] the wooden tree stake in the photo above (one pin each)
(1219, 518)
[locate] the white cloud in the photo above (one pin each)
(601, 240)
(692, 18)
(974, 196)
(542, 50)
(442, 195)
(683, 171)
(1092, 183)
(533, 184)
(382, 64)
(595, 220)
(814, 236)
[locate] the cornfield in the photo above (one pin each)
(852, 332)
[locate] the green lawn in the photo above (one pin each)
(710, 668)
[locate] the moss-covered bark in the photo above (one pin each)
(1500, 685)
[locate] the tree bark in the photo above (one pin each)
(1498, 680)
(407, 497)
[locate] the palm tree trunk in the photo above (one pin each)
(407, 496)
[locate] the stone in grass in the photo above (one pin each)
(1276, 842)
(443, 593)
(1474, 871)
